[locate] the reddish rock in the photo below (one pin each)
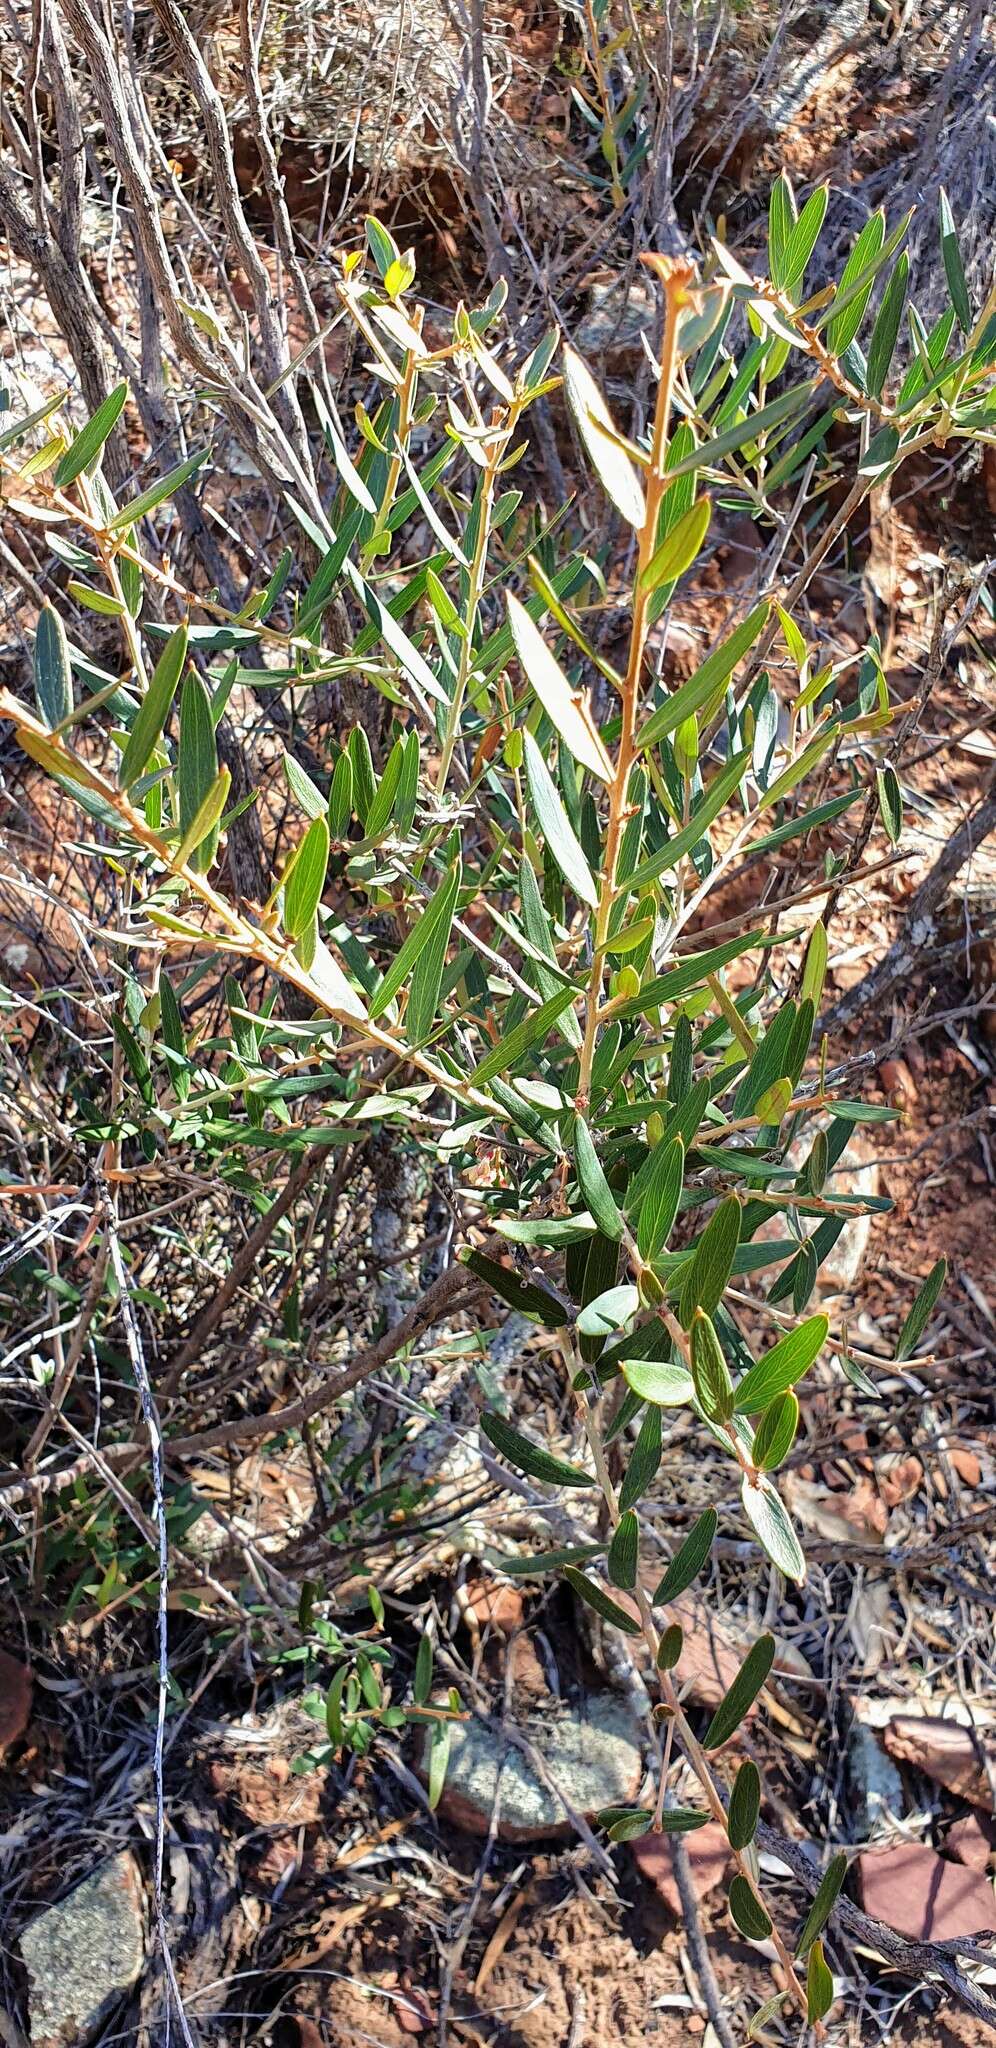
(923, 1896)
(960, 1759)
(708, 1856)
(492, 1604)
(971, 1841)
(966, 1465)
(15, 1700)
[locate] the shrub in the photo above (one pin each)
(498, 931)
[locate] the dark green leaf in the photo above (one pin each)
(823, 1904)
(847, 319)
(306, 881)
(527, 1296)
(781, 1367)
(679, 548)
(713, 800)
(707, 685)
(746, 1911)
(154, 709)
(593, 1184)
(528, 1457)
(690, 973)
(594, 1596)
(644, 1461)
(197, 765)
(531, 1031)
(776, 1432)
(885, 332)
(624, 1552)
(745, 1806)
(922, 1310)
(712, 1261)
(53, 675)
(738, 1701)
(536, 1567)
(890, 804)
(422, 1684)
(341, 797)
(87, 445)
(713, 1385)
(819, 1985)
(954, 269)
(670, 1647)
(688, 1560)
(434, 929)
(137, 508)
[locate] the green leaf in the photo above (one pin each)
(679, 548)
(746, 1911)
(612, 465)
(333, 1708)
(745, 1806)
(532, 1030)
(846, 321)
(688, 1560)
(713, 1385)
(819, 1985)
(439, 1756)
(530, 1458)
(713, 800)
(771, 1523)
(87, 445)
(427, 974)
(527, 1296)
(555, 827)
(611, 1309)
(781, 1367)
(624, 1551)
(137, 508)
(670, 1647)
(592, 1594)
(660, 1196)
(341, 797)
(154, 709)
(304, 883)
(429, 934)
(707, 685)
(200, 841)
(550, 1231)
(301, 786)
(921, 1311)
(537, 929)
(823, 1903)
(954, 269)
(593, 1184)
(885, 332)
(881, 452)
(775, 1433)
(667, 1386)
(690, 973)
(739, 1699)
(644, 1461)
(802, 241)
(567, 709)
(382, 246)
(815, 967)
(890, 804)
(626, 1824)
(422, 1683)
(53, 675)
(749, 429)
(197, 762)
(711, 1264)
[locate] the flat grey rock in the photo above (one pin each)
(876, 1786)
(593, 1752)
(85, 1953)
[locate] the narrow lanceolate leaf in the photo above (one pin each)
(756, 423)
(528, 1457)
(88, 444)
(528, 1296)
(738, 1701)
(748, 1914)
(532, 1031)
(713, 800)
(53, 675)
(706, 687)
(430, 932)
(781, 1367)
(593, 1184)
(157, 494)
(954, 269)
(688, 1560)
(713, 1385)
(712, 1262)
(885, 332)
(772, 1525)
(644, 1461)
(823, 1904)
(776, 1433)
(341, 797)
(815, 967)
(623, 1552)
(802, 240)
(439, 1756)
(567, 709)
(536, 925)
(310, 798)
(819, 1985)
(592, 1594)
(306, 880)
(197, 759)
(679, 548)
(922, 1310)
(667, 1386)
(154, 709)
(199, 843)
(611, 464)
(427, 973)
(660, 1197)
(890, 804)
(745, 1806)
(846, 321)
(555, 825)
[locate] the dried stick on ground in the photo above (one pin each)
(919, 924)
